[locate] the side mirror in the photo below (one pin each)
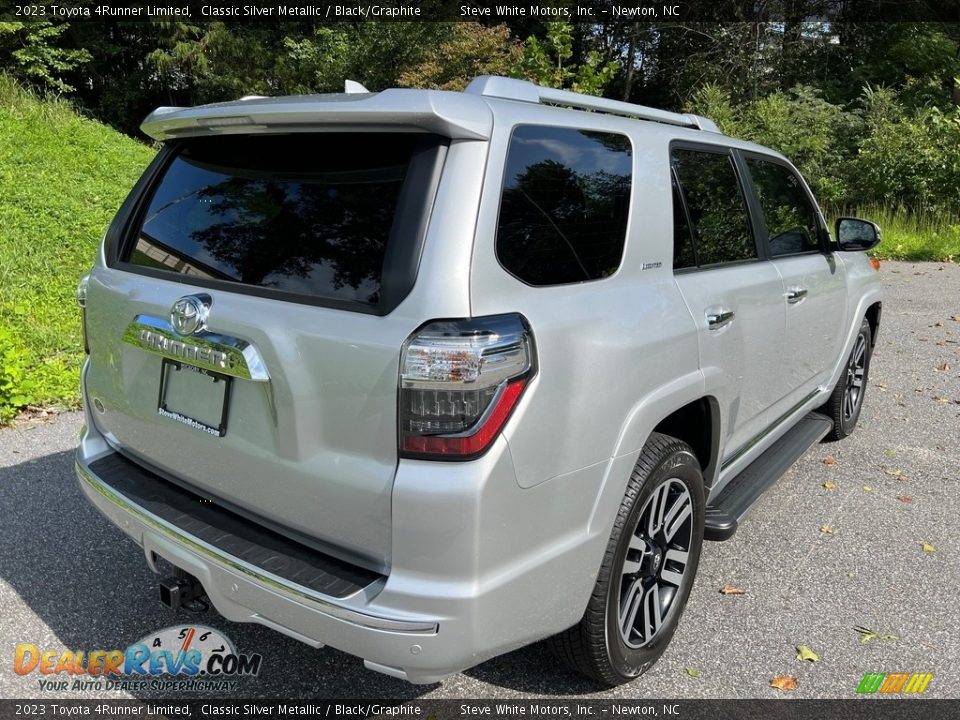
(855, 234)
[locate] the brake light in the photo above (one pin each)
(459, 382)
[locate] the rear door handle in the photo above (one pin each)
(717, 319)
(795, 294)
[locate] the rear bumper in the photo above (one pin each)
(244, 593)
(471, 575)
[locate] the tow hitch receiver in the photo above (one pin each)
(182, 590)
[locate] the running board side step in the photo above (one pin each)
(735, 500)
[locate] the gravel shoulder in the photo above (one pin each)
(836, 544)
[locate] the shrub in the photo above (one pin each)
(15, 386)
(907, 160)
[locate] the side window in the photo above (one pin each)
(683, 256)
(790, 217)
(565, 203)
(718, 212)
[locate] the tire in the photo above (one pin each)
(613, 643)
(846, 401)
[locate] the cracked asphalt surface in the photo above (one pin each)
(70, 580)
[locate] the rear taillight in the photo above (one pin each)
(459, 382)
(82, 302)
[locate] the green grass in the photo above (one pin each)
(914, 236)
(62, 177)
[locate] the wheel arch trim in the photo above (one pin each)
(642, 420)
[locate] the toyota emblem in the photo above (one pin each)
(189, 314)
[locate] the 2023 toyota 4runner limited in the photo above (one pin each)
(428, 376)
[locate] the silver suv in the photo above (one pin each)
(428, 376)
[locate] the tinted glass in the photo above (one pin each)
(565, 203)
(790, 216)
(301, 213)
(721, 225)
(683, 256)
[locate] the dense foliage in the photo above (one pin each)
(868, 109)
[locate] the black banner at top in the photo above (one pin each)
(487, 11)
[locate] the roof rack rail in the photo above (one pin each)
(526, 91)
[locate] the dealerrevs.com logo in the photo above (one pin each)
(177, 658)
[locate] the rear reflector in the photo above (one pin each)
(81, 295)
(459, 382)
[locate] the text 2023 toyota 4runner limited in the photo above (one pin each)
(428, 376)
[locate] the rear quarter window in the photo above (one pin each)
(302, 215)
(565, 204)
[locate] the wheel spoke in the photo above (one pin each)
(652, 613)
(657, 507)
(860, 350)
(629, 608)
(637, 544)
(681, 509)
(677, 557)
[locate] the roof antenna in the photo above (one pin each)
(352, 87)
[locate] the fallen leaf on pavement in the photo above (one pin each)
(732, 590)
(828, 460)
(895, 472)
(942, 367)
(784, 683)
(830, 485)
(867, 635)
(805, 652)
(927, 547)
(905, 498)
(867, 488)
(693, 672)
(826, 529)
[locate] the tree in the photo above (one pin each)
(469, 50)
(33, 52)
(550, 62)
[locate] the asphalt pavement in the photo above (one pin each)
(836, 544)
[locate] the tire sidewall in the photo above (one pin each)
(632, 662)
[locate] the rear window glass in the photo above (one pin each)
(565, 203)
(307, 214)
